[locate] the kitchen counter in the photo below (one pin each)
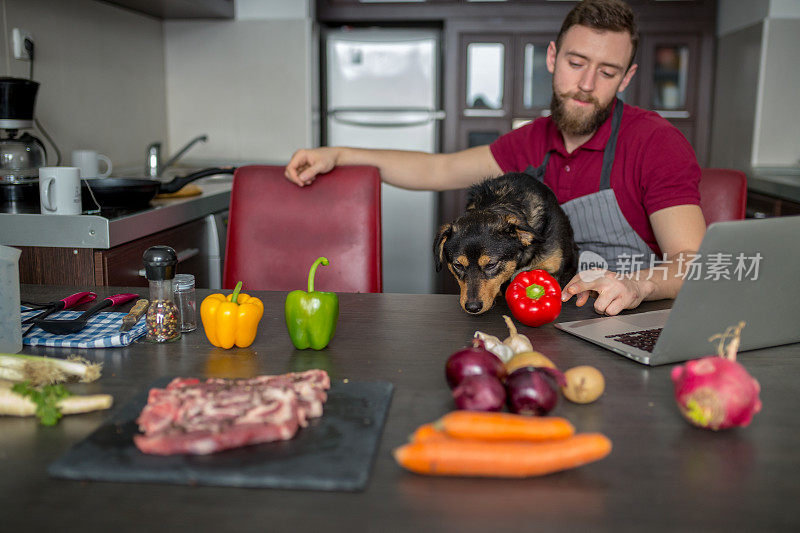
(96, 232)
(662, 475)
(785, 186)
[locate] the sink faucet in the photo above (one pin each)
(153, 165)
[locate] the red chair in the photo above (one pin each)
(276, 230)
(723, 194)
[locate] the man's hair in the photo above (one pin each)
(609, 15)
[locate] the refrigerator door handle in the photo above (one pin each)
(484, 112)
(339, 115)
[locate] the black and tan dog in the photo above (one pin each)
(512, 223)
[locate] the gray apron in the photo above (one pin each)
(603, 235)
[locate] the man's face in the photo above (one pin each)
(589, 69)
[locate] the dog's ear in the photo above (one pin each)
(520, 228)
(438, 245)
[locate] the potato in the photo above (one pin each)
(528, 359)
(585, 384)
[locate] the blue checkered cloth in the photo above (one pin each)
(102, 331)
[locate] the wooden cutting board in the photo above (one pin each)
(184, 192)
(335, 452)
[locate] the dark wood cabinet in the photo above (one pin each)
(763, 206)
(486, 87)
(532, 81)
(668, 82)
(119, 266)
(516, 84)
(122, 265)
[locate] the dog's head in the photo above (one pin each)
(482, 250)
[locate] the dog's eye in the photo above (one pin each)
(491, 265)
(458, 268)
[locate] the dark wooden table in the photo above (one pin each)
(663, 475)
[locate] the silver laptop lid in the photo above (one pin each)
(745, 270)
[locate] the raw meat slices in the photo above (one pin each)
(194, 417)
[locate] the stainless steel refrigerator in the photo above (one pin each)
(382, 91)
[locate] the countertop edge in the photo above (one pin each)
(95, 232)
(784, 187)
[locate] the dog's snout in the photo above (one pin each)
(473, 306)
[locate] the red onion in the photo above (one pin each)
(480, 393)
(472, 361)
(531, 390)
(716, 393)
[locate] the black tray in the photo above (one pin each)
(335, 452)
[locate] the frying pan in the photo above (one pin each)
(137, 192)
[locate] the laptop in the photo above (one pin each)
(747, 270)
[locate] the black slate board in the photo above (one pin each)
(335, 452)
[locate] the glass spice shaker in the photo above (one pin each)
(185, 300)
(163, 316)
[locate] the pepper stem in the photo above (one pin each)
(235, 297)
(313, 271)
(534, 291)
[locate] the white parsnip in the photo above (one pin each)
(85, 404)
(13, 404)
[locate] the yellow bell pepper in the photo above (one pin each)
(231, 319)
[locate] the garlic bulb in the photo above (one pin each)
(516, 341)
(495, 345)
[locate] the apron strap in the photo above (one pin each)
(538, 172)
(611, 146)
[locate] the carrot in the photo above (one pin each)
(427, 432)
(492, 426)
(454, 457)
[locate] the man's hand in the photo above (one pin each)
(307, 163)
(613, 292)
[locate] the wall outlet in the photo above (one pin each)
(18, 37)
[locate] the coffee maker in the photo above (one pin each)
(21, 154)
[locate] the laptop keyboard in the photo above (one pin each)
(644, 339)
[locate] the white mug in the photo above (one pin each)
(86, 161)
(60, 190)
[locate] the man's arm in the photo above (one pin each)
(678, 230)
(406, 169)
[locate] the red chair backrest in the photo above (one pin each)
(723, 194)
(276, 230)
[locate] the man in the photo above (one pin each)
(627, 179)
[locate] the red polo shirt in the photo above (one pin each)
(654, 165)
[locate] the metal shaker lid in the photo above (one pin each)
(183, 282)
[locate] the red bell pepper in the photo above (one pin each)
(534, 297)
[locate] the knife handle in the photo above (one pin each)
(139, 308)
(119, 299)
(133, 316)
(78, 299)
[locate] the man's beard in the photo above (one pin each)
(573, 122)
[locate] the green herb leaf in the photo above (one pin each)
(46, 399)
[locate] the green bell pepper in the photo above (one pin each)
(311, 316)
